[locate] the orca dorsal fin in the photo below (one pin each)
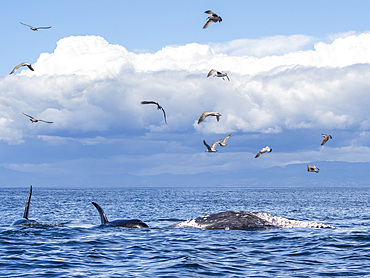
(25, 215)
(103, 217)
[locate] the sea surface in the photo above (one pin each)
(83, 249)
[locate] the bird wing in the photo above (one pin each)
(29, 66)
(48, 27)
(45, 121)
(149, 102)
(215, 143)
(258, 154)
(205, 143)
(325, 140)
(227, 77)
(17, 67)
(28, 115)
(164, 115)
(208, 23)
(27, 25)
(202, 117)
(218, 117)
(227, 137)
(212, 71)
(210, 12)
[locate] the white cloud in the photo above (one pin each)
(89, 85)
(276, 45)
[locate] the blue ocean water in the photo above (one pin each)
(81, 249)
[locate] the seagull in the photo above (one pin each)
(158, 107)
(218, 74)
(213, 18)
(33, 120)
(206, 114)
(22, 65)
(266, 149)
(222, 144)
(35, 28)
(211, 149)
(312, 168)
(326, 138)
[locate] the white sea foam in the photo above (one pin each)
(282, 222)
(189, 223)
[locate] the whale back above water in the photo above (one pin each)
(245, 220)
(123, 223)
(25, 219)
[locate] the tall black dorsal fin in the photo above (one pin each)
(103, 217)
(25, 215)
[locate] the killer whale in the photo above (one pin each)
(25, 219)
(130, 223)
(245, 220)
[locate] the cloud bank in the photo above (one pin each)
(278, 86)
(89, 85)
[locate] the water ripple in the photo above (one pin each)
(81, 248)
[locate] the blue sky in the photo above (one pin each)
(297, 69)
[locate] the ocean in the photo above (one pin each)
(81, 248)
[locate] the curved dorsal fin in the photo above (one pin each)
(25, 215)
(103, 218)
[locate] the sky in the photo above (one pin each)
(297, 69)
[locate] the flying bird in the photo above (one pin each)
(326, 138)
(266, 149)
(213, 18)
(223, 143)
(158, 107)
(206, 114)
(312, 168)
(33, 120)
(35, 28)
(22, 65)
(211, 149)
(218, 74)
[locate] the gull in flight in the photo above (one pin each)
(312, 168)
(211, 149)
(33, 120)
(35, 28)
(206, 114)
(213, 18)
(266, 149)
(158, 107)
(223, 143)
(326, 138)
(22, 65)
(218, 74)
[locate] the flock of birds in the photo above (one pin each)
(213, 18)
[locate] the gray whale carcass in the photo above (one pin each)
(245, 220)
(25, 219)
(130, 223)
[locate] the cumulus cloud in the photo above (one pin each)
(89, 85)
(276, 45)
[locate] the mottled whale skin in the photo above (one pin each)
(25, 219)
(130, 223)
(245, 220)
